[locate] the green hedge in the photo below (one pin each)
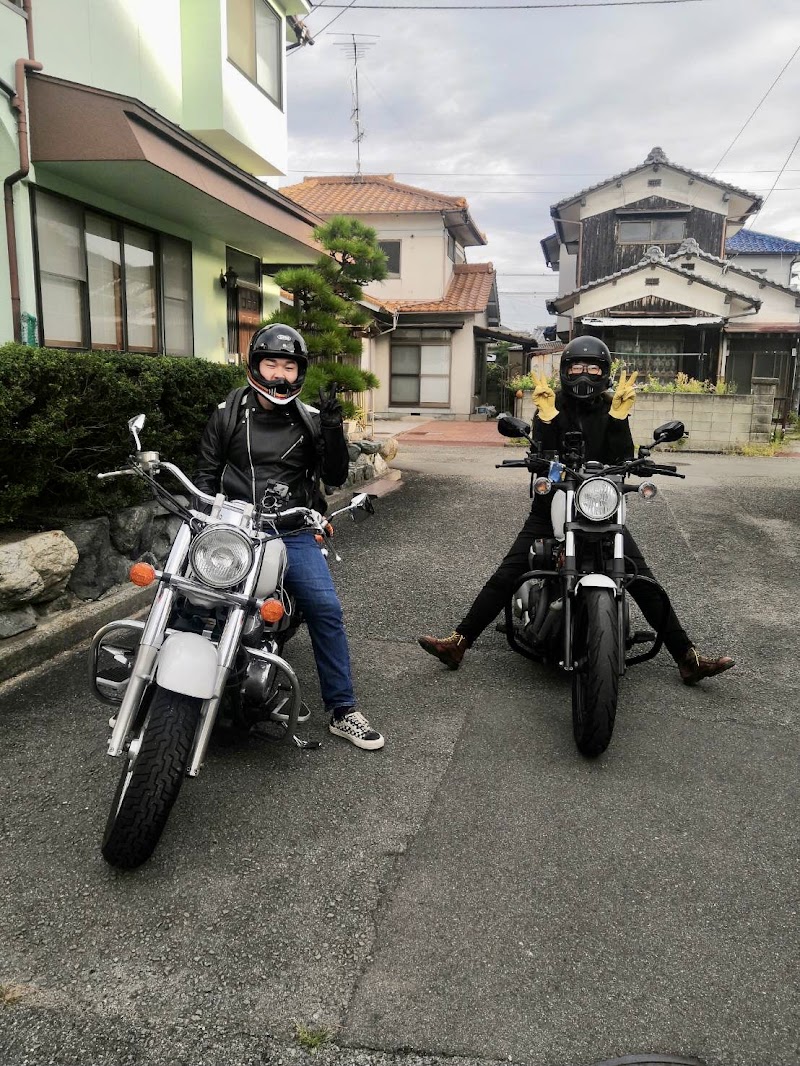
(63, 419)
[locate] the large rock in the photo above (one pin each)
(100, 566)
(35, 568)
(389, 448)
(131, 530)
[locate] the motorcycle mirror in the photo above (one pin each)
(508, 426)
(669, 431)
(135, 425)
(361, 507)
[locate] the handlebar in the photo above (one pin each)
(639, 467)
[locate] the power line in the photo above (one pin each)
(757, 107)
(503, 173)
(513, 7)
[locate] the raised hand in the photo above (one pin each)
(331, 413)
(624, 395)
(544, 398)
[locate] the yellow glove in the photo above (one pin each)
(544, 398)
(624, 395)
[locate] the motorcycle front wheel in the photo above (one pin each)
(151, 779)
(595, 678)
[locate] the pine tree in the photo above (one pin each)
(326, 310)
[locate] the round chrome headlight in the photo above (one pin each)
(221, 556)
(597, 499)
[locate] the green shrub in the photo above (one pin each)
(63, 419)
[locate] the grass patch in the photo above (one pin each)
(11, 993)
(311, 1037)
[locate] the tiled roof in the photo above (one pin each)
(655, 257)
(748, 240)
(468, 291)
(367, 194)
(656, 157)
(691, 247)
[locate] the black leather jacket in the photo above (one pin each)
(286, 444)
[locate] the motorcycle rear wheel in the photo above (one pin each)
(595, 679)
(151, 779)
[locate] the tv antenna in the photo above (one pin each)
(355, 48)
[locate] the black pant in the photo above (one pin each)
(492, 598)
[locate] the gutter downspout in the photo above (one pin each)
(18, 104)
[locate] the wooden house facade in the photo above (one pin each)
(642, 264)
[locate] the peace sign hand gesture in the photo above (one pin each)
(624, 395)
(544, 398)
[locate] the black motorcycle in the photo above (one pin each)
(571, 608)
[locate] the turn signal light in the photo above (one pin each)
(329, 529)
(318, 537)
(272, 611)
(142, 574)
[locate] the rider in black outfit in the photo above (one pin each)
(584, 404)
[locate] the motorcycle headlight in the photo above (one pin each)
(597, 499)
(221, 556)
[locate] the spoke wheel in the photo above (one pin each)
(151, 779)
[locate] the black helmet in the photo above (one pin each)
(585, 350)
(282, 342)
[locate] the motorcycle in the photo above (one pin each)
(210, 652)
(570, 609)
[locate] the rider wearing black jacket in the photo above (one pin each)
(583, 404)
(261, 436)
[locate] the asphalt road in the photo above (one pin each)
(474, 893)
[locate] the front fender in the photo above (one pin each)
(187, 663)
(596, 581)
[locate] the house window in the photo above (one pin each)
(687, 266)
(651, 230)
(391, 249)
(109, 285)
(451, 248)
(255, 44)
(420, 369)
(651, 281)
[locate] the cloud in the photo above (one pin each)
(517, 110)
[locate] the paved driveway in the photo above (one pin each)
(475, 890)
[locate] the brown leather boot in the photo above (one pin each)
(449, 650)
(693, 667)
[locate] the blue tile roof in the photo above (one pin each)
(748, 240)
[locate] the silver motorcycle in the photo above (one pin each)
(210, 652)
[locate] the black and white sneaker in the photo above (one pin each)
(353, 726)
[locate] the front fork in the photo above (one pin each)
(152, 639)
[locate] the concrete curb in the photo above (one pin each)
(69, 629)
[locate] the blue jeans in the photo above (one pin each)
(309, 580)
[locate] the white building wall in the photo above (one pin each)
(776, 267)
(425, 270)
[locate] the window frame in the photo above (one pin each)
(420, 342)
(394, 241)
(119, 223)
(253, 78)
(651, 220)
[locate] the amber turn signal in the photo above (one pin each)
(318, 537)
(142, 574)
(272, 610)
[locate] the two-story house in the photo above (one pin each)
(642, 264)
(437, 311)
(131, 132)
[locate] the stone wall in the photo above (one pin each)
(714, 423)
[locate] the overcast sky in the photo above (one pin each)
(518, 109)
